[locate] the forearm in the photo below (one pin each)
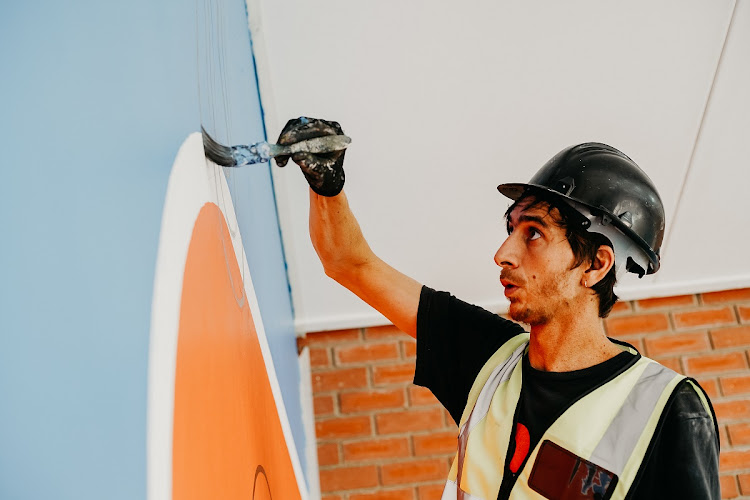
(348, 259)
(337, 237)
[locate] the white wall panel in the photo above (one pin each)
(710, 240)
(444, 100)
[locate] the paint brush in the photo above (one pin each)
(237, 156)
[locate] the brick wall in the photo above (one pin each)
(382, 438)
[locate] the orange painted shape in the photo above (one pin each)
(228, 441)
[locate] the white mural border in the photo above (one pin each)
(193, 182)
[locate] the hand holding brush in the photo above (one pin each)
(317, 146)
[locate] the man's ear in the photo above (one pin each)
(604, 260)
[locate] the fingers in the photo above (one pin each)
(335, 126)
(324, 173)
(300, 129)
(310, 161)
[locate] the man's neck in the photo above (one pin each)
(570, 342)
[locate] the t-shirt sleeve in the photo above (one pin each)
(454, 340)
(684, 459)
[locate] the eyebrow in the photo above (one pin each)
(531, 218)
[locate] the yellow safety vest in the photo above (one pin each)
(610, 427)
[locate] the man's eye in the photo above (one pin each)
(534, 234)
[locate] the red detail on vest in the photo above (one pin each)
(522, 447)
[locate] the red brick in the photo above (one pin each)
(734, 460)
(738, 295)
(383, 332)
(731, 337)
(366, 353)
(449, 420)
(409, 349)
(343, 427)
(710, 386)
(637, 343)
(731, 386)
(677, 344)
(667, 302)
(639, 323)
(413, 471)
(716, 362)
(744, 313)
(393, 374)
(412, 420)
(704, 317)
(323, 405)
(621, 307)
(301, 344)
(431, 491)
(352, 402)
(723, 437)
(421, 396)
(319, 357)
(728, 484)
(739, 434)
(732, 410)
(376, 448)
(334, 380)
(348, 478)
(672, 363)
(744, 483)
(400, 494)
(337, 336)
(328, 454)
(438, 443)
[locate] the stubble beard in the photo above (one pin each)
(547, 296)
(528, 316)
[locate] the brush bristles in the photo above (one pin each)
(216, 152)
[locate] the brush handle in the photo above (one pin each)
(317, 145)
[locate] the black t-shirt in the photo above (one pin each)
(454, 341)
(544, 397)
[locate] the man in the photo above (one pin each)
(560, 412)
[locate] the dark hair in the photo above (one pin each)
(583, 243)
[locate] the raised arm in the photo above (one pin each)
(348, 259)
(337, 237)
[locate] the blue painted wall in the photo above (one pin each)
(96, 99)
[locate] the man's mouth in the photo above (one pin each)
(510, 288)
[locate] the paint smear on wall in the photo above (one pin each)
(217, 427)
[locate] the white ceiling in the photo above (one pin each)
(445, 100)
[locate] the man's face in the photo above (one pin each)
(536, 259)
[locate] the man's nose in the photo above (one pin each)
(505, 255)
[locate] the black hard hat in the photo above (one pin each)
(605, 180)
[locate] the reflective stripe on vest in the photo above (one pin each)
(503, 360)
(612, 426)
(499, 375)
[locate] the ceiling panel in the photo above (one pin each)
(444, 100)
(708, 247)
